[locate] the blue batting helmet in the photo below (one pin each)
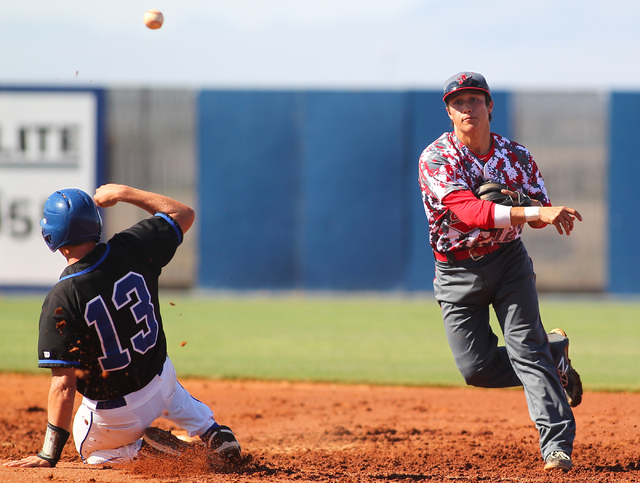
(70, 218)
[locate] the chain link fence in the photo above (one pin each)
(151, 145)
(567, 136)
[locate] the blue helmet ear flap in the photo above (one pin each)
(70, 217)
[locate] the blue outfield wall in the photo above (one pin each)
(318, 189)
(624, 210)
(249, 170)
(353, 218)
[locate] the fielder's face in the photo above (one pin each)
(469, 111)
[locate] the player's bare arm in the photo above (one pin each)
(562, 217)
(109, 194)
(60, 411)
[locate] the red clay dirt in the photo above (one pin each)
(327, 432)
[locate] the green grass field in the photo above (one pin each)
(360, 339)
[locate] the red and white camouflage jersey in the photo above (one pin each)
(447, 165)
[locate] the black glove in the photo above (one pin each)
(492, 191)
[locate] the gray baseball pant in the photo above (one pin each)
(505, 279)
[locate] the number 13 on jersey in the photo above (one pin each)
(96, 314)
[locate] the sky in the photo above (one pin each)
(322, 44)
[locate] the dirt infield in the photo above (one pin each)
(324, 432)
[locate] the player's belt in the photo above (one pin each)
(475, 253)
(117, 402)
(111, 403)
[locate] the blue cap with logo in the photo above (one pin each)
(465, 80)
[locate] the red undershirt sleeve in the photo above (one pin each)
(471, 211)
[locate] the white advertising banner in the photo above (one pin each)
(48, 141)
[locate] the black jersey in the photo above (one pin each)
(103, 315)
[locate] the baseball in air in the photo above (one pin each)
(153, 19)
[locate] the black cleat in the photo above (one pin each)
(568, 376)
(222, 441)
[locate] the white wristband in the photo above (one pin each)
(532, 213)
(501, 216)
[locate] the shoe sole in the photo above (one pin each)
(557, 466)
(165, 442)
(229, 447)
(559, 332)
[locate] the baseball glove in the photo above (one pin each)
(492, 191)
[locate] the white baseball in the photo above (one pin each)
(153, 19)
